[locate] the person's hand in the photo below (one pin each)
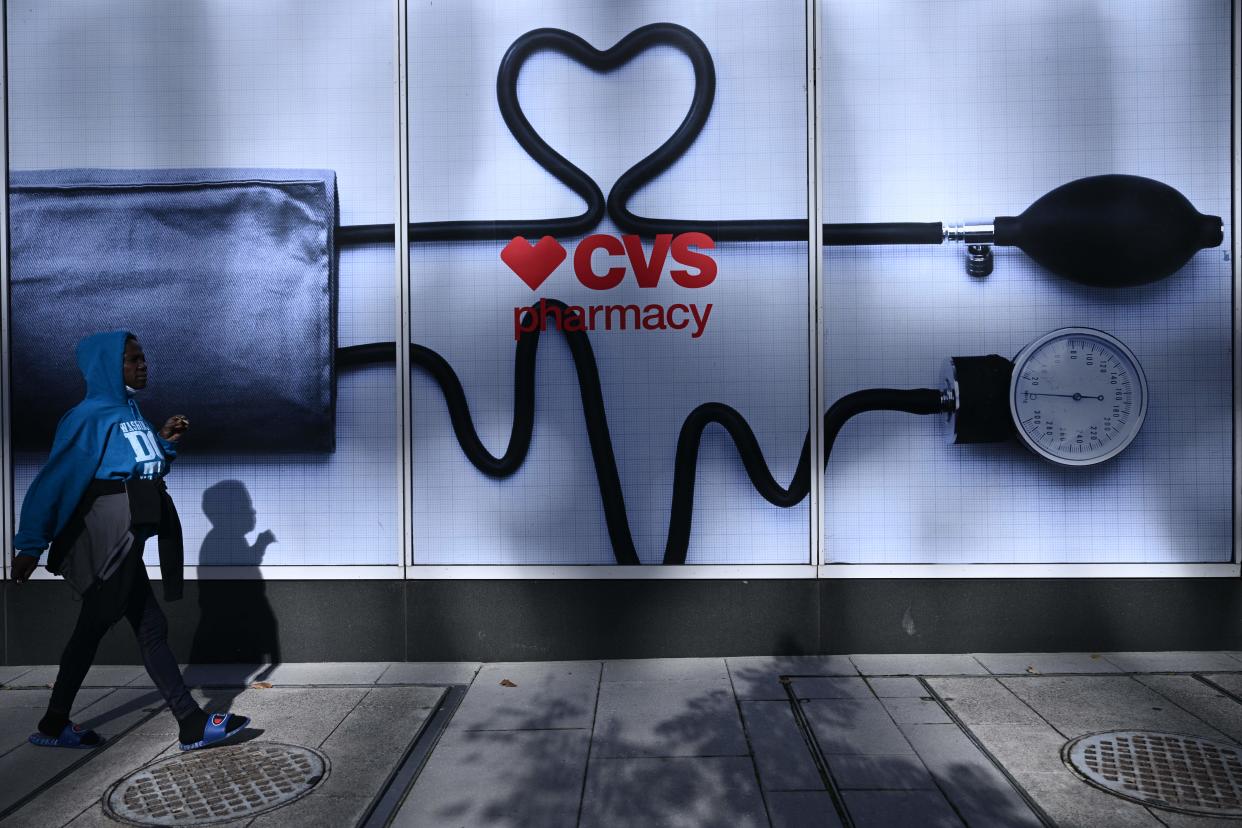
(177, 425)
(23, 567)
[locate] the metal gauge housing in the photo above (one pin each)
(1078, 396)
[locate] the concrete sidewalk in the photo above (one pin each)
(872, 740)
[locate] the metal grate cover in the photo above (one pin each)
(1164, 770)
(218, 785)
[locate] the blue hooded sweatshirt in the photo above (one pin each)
(104, 437)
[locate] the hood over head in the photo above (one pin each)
(101, 358)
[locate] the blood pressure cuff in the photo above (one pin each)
(227, 277)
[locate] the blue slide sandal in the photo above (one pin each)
(73, 736)
(220, 726)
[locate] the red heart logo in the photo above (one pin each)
(533, 263)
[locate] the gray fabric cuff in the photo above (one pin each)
(227, 277)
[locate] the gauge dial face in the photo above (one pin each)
(1078, 396)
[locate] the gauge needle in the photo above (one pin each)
(1070, 396)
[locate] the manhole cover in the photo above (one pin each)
(1164, 770)
(218, 785)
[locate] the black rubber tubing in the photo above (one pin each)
(913, 401)
(920, 401)
(574, 47)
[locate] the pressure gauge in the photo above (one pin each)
(1077, 395)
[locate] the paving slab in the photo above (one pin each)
(17, 723)
(364, 750)
(544, 695)
(672, 792)
(906, 664)
(364, 733)
(758, 677)
(802, 809)
(667, 718)
(100, 675)
(1035, 663)
(430, 672)
(666, 669)
(1174, 662)
(212, 675)
(9, 674)
(1023, 748)
(881, 773)
(1032, 754)
(1071, 802)
(327, 673)
(831, 687)
(294, 674)
(979, 792)
(1232, 682)
(221, 675)
(900, 809)
(76, 799)
(114, 711)
(854, 726)
(506, 779)
(983, 701)
(781, 753)
(94, 817)
(1176, 820)
(294, 715)
(38, 675)
(897, 687)
(916, 711)
(28, 768)
(35, 698)
(21, 709)
(1075, 705)
(1199, 699)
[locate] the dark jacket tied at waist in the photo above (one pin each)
(94, 545)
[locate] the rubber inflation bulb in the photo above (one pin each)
(1111, 230)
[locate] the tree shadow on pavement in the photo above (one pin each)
(689, 766)
(908, 779)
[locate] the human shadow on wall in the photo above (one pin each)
(236, 623)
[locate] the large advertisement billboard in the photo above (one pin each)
(1017, 313)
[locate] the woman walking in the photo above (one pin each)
(96, 501)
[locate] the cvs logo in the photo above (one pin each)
(647, 271)
(534, 263)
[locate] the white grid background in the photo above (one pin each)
(941, 109)
(290, 83)
(749, 162)
(989, 107)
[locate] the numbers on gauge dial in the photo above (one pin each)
(1075, 396)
